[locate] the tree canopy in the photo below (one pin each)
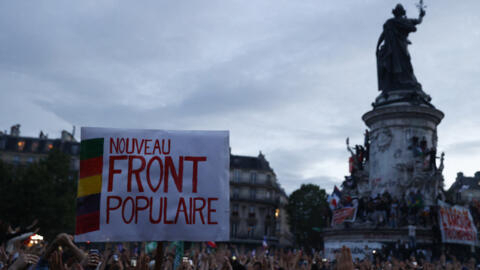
(308, 213)
(44, 190)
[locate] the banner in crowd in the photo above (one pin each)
(153, 185)
(359, 249)
(345, 214)
(456, 225)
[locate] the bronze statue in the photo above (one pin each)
(395, 71)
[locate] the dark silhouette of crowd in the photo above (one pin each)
(19, 251)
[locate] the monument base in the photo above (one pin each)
(403, 97)
(362, 241)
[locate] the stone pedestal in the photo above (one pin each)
(394, 163)
(359, 240)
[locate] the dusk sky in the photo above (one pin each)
(288, 78)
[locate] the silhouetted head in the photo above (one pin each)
(399, 11)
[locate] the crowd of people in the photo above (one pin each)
(18, 252)
(385, 210)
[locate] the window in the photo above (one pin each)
(267, 230)
(251, 211)
(20, 145)
(34, 146)
(251, 231)
(74, 149)
(235, 210)
(268, 195)
(48, 146)
(234, 229)
(253, 178)
(277, 213)
(253, 194)
(16, 160)
(3, 143)
(236, 176)
(30, 159)
(236, 193)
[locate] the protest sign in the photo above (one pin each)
(345, 214)
(359, 249)
(153, 185)
(456, 225)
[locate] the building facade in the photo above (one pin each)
(465, 188)
(257, 203)
(19, 151)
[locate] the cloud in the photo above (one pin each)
(289, 78)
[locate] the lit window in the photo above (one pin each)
(50, 146)
(277, 213)
(21, 145)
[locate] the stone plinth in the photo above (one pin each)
(393, 164)
(378, 235)
(359, 239)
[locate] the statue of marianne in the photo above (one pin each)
(395, 71)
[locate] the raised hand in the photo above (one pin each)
(92, 260)
(55, 261)
(345, 261)
(23, 261)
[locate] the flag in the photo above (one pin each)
(211, 244)
(334, 199)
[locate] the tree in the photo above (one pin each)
(308, 211)
(45, 190)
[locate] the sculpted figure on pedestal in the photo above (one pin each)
(395, 71)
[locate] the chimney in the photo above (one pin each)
(15, 130)
(67, 136)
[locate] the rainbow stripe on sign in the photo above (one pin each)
(89, 186)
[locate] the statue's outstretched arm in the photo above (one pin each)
(420, 17)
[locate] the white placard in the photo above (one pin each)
(156, 185)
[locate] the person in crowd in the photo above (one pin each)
(63, 254)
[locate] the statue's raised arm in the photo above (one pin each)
(420, 16)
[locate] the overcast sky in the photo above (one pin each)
(288, 78)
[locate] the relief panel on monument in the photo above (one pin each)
(383, 139)
(397, 154)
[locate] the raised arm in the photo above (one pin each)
(420, 17)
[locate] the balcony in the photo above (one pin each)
(266, 185)
(247, 198)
